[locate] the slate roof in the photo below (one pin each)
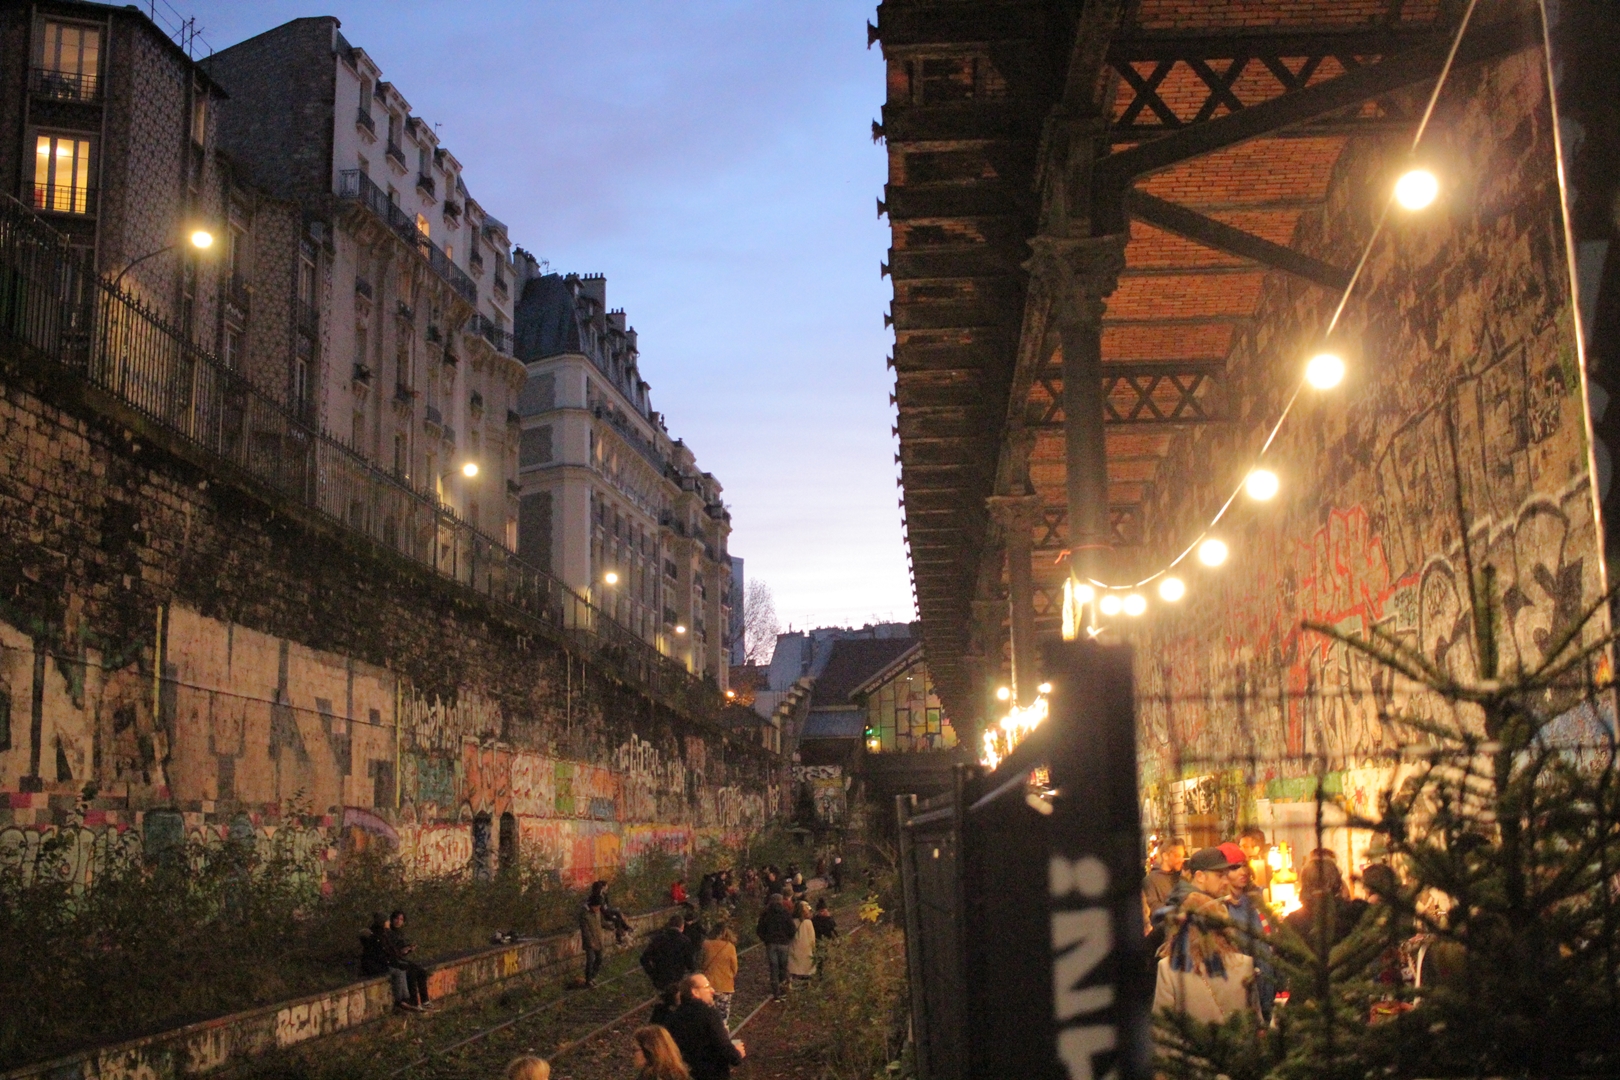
(853, 662)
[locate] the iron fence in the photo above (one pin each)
(356, 185)
(54, 305)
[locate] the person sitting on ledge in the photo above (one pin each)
(416, 976)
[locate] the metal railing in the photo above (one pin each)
(62, 198)
(64, 85)
(356, 185)
(363, 118)
(62, 316)
(484, 327)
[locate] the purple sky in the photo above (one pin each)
(714, 160)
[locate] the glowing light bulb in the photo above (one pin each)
(1172, 589)
(1110, 604)
(680, 629)
(1416, 189)
(1044, 688)
(611, 578)
(1325, 371)
(1003, 693)
(202, 238)
(1084, 594)
(1134, 604)
(1261, 484)
(1212, 552)
(470, 469)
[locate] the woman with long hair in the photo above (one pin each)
(656, 1055)
(802, 953)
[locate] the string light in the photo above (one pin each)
(1003, 693)
(1003, 739)
(1416, 189)
(1134, 604)
(1261, 484)
(1212, 552)
(1044, 688)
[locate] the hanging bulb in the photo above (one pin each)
(1171, 589)
(1109, 604)
(1325, 371)
(1261, 484)
(1416, 189)
(1003, 693)
(1135, 604)
(1212, 552)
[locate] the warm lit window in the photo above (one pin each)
(422, 225)
(199, 116)
(68, 61)
(62, 174)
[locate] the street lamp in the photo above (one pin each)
(470, 469)
(680, 628)
(611, 577)
(201, 239)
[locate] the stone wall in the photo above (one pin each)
(1462, 312)
(181, 659)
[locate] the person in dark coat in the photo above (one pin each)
(668, 955)
(826, 926)
(693, 928)
(776, 932)
(696, 1026)
(399, 949)
(590, 939)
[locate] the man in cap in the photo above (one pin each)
(1199, 940)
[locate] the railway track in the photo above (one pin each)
(584, 1033)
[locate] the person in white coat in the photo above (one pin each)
(802, 954)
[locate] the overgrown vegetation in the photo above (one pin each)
(858, 1003)
(204, 931)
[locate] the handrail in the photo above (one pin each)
(54, 305)
(357, 186)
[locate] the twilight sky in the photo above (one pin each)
(713, 158)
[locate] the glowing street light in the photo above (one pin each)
(1003, 693)
(202, 238)
(1416, 189)
(1110, 604)
(1261, 484)
(1325, 371)
(1212, 552)
(470, 469)
(1044, 688)
(1134, 604)
(1171, 589)
(680, 628)
(611, 577)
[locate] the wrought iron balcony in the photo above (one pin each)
(362, 287)
(396, 153)
(237, 294)
(433, 417)
(64, 85)
(363, 119)
(404, 394)
(62, 199)
(500, 285)
(308, 317)
(425, 183)
(362, 373)
(356, 185)
(485, 328)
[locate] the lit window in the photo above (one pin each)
(68, 61)
(62, 174)
(422, 225)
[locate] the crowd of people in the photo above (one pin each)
(1211, 931)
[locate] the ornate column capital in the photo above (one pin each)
(1077, 275)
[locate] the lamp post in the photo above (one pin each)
(201, 239)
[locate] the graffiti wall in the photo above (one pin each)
(250, 737)
(1464, 370)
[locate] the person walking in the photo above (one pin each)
(718, 962)
(668, 954)
(838, 873)
(527, 1067)
(776, 932)
(1202, 971)
(693, 928)
(802, 953)
(705, 1044)
(656, 1055)
(590, 939)
(399, 949)
(826, 926)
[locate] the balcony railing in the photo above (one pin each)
(64, 85)
(485, 327)
(356, 185)
(309, 317)
(426, 184)
(65, 320)
(362, 117)
(236, 292)
(62, 199)
(396, 153)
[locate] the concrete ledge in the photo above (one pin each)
(211, 1044)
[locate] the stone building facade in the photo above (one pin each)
(111, 133)
(404, 313)
(611, 504)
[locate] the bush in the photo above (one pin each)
(857, 1004)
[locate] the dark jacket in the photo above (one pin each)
(373, 951)
(776, 926)
(694, 933)
(703, 1039)
(396, 947)
(826, 926)
(668, 956)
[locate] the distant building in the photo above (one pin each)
(835, 727)
(402, 282)
(804, 653)
(739, 602)
(610, 503)
(902, 711)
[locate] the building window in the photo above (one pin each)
(300, 378)
(357, 430)
(233, 349)
(68, 62)
(399, 455)
(306, 279)
(422, 225)
(62, 174)
(199, 116)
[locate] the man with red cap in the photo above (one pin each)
(1201, 949)
(1251, 925)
